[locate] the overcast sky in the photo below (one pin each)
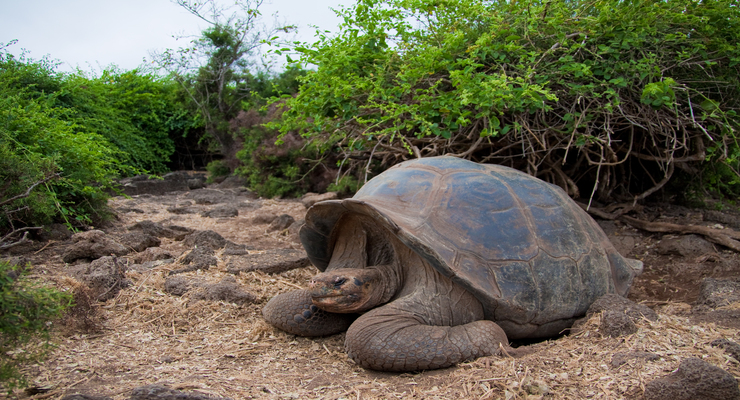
(91, 34)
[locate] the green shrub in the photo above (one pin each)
(26, 311)
(347, 185)
(216, 169)
(605, 98)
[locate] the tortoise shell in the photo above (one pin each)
(529, 253)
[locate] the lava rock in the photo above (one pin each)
(57, 232)
(221, 212)
(685, 246)
(179, 285)
(152, 254)
(615, 302)
(282, 222)
(92, 245)
(208, 239)
(269, 261)
(158, 230)
(310, 199)
(616, 324)
(158, 392)
(695, 379)
(105, 277)
(139, 242)
(730, 347)
(226, 290)
(148, 184)
(716, 293)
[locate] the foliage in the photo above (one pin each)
(605, 97)
(217, 71)
(34, 145)
(273, 167)
(76, 134)
(26, 309)
(217, 168)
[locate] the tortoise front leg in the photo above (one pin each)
(295, 313)
(386, 340)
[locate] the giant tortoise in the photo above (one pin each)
(446, 260)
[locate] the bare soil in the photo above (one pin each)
(147, 336)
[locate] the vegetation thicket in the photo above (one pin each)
(606, 98)
(65, 137)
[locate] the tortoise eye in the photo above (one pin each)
(339, 281)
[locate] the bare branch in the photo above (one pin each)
(29, 190)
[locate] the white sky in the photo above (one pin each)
(92, 34)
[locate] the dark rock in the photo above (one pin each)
(125, 210)
(158, 230)
(622, 358)
(730, 347)
(249, 204)
(221, 212)
(196, 183)
(80, 396)
(310, 199)
(233, 182)
(179, 285)
(139, 241)
(146, 184)
(183, 210)
(157, 392)
(616, 324)
(17, 261)
(685, 246)
(105, 277)
(695, 379)
(269, 261)
(92, 245)
(152, 254)
(58, 232)
(233, 249)
(282, 222)
(200, 258)
(208, 239)
(716, 293)
(212, 196)
(615, 302)
(226, 290)
(725, 218)
(263, 217)
(147, 265)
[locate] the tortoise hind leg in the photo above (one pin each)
(388, 340)
(294, 313)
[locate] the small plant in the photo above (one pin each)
(346, 185)
(26, 310)
(217, 168)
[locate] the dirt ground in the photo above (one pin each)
(225, 349)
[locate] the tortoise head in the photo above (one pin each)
(349, 290)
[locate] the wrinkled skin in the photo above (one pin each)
(413, 318)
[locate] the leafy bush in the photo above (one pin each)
(605, 98)
(217, 168)
(34, 145)
(77, 134)
(26, 309)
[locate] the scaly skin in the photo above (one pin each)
(388, 340)
(295, 313)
